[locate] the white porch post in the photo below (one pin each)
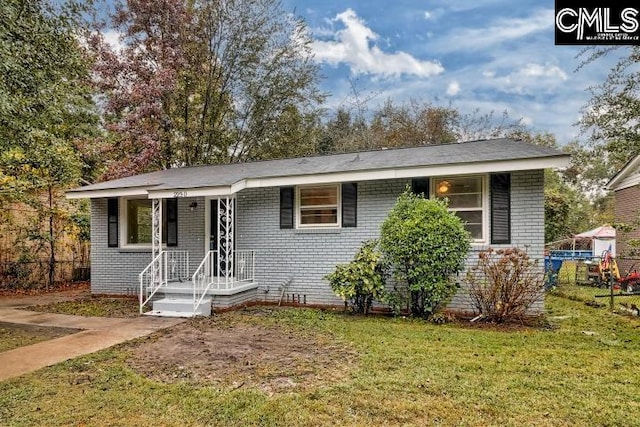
(225, 238)
(156, 236)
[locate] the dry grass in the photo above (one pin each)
(14, 335)
(92, 306)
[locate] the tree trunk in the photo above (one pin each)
(52, 253)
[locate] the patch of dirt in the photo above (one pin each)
(234, 354)
(528, 324)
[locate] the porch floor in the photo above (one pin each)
(218, 287)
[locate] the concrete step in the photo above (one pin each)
(180, 307)
(167, 313)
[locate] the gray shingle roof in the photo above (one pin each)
(424, 156)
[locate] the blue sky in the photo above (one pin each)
(491, 55)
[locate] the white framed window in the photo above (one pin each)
(136, 218)
(318, 206)
(467, 197)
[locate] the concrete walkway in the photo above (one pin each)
(96, 333)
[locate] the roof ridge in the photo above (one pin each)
(344, 153)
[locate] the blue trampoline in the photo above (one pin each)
(553, 263)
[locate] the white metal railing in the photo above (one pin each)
(202, 278)
(177, 263)
(244, 266)
(212, 273)
(166, 266)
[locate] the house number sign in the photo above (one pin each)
(177, 194)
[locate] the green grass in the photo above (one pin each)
(598, 297)
(569, 287)
(14, 335)
(92, 306)
(581, 370)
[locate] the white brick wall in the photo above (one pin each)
(115, 270)
(305, 255)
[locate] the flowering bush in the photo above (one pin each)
(504, 284)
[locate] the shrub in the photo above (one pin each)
(361, 281)
(504, 284)
(426, 245)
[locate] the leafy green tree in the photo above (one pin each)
(410, 124)
(426, 246)
(46, 110)
(568, 210)
(206, 82)
(612, 115)
(573, 197)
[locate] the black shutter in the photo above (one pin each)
(172, 222)
(286, 207)
(501, 208)
(420, 186)
(112, 223)
(350, 205)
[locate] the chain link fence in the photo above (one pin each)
(22, 275)
(583, 280)
(26, 237)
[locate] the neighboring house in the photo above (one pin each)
(271, 230)
(626, 188)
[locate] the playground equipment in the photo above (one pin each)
(608, 269)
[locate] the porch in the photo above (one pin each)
(174, 285)
(173, 291)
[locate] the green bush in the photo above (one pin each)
(426, 245)
(361, 281)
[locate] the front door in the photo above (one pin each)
(221, 234)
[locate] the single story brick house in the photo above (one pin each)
(626, 189)
(269, 231)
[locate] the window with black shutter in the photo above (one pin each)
(112, 223)
(350, 205)
(501, 208)
(136, 225)
(420, 186)
(172, 222)
(465, 195)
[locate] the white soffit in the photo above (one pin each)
(627, 177)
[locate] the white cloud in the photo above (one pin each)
(499, 31)
(453, 88)
(112, 38)
(355, 46)
(434, 14)
(537, 70)
(530, 79)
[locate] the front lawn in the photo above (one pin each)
(582, 369)
(14, 335)
(92, 306)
